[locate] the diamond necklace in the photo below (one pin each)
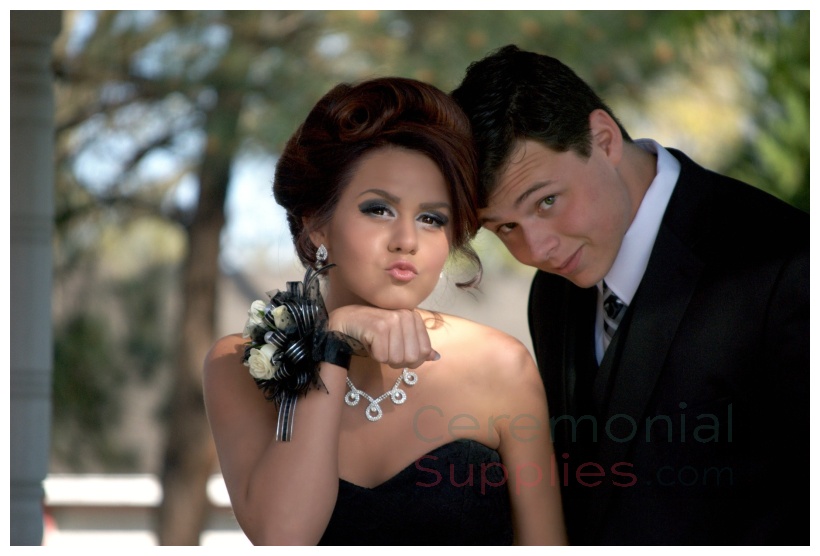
(374, 411)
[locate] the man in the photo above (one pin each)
(680, 404)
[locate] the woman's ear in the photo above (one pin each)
(317, 235)
(606, 135)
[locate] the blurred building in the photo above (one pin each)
(32, 211)
(95, 511)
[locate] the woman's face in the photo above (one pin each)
(390, 233)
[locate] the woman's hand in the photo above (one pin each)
(395, 337)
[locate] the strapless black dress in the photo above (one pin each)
(455, 495)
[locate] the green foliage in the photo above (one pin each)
(776, 157)
(87, 388)
(143, 299)
(110, 349)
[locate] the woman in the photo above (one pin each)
(437, 432)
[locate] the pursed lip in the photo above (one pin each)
(402, 270)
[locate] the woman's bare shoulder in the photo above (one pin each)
(479, 342)
(493, 362)
(223, 364)
(225, 352)
(230, 344)
(228, 387)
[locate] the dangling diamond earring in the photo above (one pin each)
(321, 255)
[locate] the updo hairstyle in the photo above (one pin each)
(319, 160)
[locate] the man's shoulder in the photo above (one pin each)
(696, 181)
(720, 208)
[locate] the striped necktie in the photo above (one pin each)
(614, 310)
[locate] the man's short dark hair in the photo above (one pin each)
(513, 95)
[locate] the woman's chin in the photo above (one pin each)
(396, 303)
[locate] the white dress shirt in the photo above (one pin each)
(627, 271)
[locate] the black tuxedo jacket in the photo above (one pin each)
(695, 428)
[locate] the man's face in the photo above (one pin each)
(559, 212)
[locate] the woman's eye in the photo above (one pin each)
(375, 209)
(547, 201)
(437, 220)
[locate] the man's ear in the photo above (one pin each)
(606, 135)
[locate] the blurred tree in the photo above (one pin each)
(775, 154)
(156, 108)
(146, 89)
(84, 378)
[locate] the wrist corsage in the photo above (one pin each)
(288, 338)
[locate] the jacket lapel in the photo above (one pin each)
(629, 374)
(631, 367)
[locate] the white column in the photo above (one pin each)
(32, 212)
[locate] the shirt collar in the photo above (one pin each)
(630, 264)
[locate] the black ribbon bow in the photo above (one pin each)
(300, 346)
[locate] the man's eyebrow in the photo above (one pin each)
(521, 198)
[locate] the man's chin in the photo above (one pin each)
(581, 283)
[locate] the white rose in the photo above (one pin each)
(260, 362)
(282, 317)
(255, 315)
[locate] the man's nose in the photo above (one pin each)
(540, 243)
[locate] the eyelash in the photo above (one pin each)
(438, 220)
(428, 218)
(376, 209)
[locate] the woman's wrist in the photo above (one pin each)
(288, 339)
(336, 350)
